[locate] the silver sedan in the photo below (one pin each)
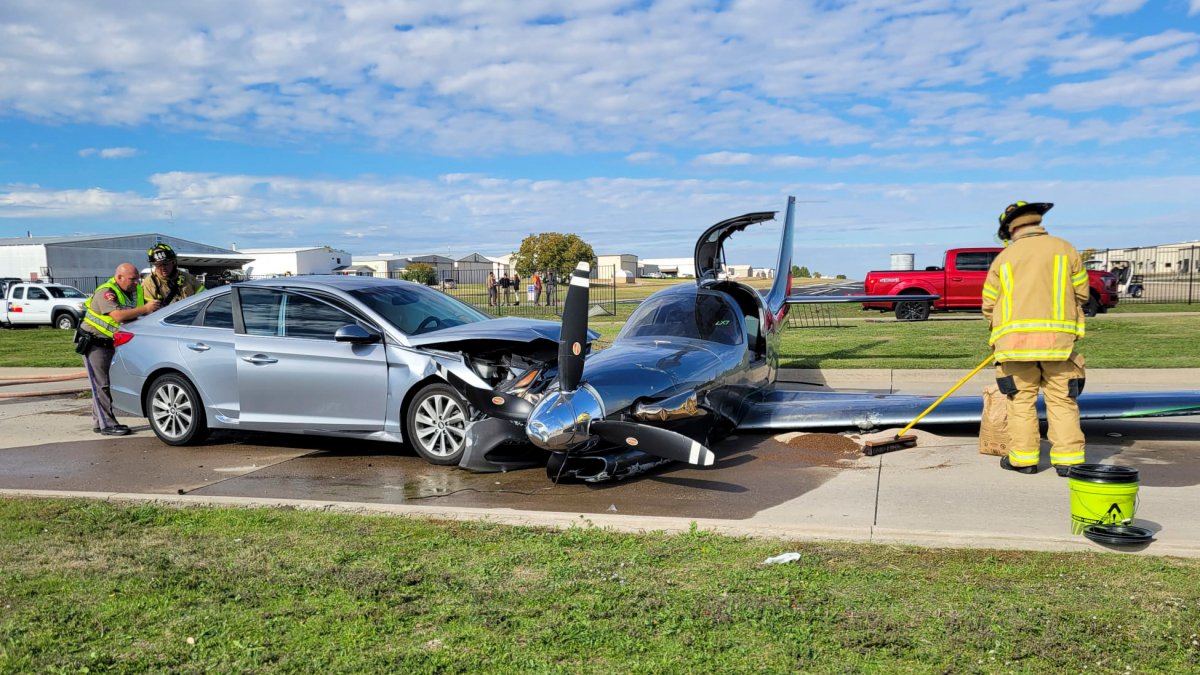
(354, 357)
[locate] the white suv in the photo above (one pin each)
(34, 304)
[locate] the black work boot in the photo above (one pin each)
(1063, 470)
(1005, 464)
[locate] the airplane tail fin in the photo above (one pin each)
(782, 287)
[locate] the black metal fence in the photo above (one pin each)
(469, 286)
(1151, 274)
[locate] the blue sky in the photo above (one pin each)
(375, 126)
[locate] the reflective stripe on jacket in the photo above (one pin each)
(103, 323)
(1033, 298)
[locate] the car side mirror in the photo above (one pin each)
(356, 334)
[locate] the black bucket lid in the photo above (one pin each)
(1119, 535)
(1104, 473)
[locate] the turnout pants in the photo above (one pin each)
(1061, 382)
(97, 360)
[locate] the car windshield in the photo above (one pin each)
(415, 309)
(65, 292)
(702, 316)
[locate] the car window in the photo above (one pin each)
(416, 309)
(974, 261)
(187, 317)
(218, 313)
(37, 294)
(64, 292)
(305, 317)
(261, 310)
(18, 293)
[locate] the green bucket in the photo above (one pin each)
(1102, 494)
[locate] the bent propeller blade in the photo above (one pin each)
(654, 441)
(573, 336)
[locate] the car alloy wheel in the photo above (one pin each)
(65, 322)
(175, 411)
(437, 424)
(912, 311)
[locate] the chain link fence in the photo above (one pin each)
(1151, 274)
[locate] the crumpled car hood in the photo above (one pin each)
(507, 329)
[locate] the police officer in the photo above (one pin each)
(1033, 299)
(167, 283)
(117, 301)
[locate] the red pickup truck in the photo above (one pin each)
(960, 284)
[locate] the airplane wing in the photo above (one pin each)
(779, 410)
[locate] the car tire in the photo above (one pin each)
(1092, 306)
(175, 411)
(65, 321)
(912, 310)
(436, 424)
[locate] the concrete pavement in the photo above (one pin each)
(941, 493)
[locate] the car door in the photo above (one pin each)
(37, 305)
(206, 345)
(964, 280)
(293, 376)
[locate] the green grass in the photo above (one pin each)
(1144, 307)
(42, 347)
(92, 587)
(1152, 342)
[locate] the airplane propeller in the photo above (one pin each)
(573, 334)
(649, 439)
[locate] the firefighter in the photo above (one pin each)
(166, 282)
(117, 301)
(1033, 300)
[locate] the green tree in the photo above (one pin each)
(800, 272)
(840, 276)
(422, 273)
(551, 251)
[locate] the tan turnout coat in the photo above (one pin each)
(1033, 298)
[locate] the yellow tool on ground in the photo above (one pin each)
(900, 441)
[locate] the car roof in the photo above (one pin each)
(338, 281)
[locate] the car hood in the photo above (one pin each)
(508, 329)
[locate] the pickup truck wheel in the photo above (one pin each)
(912, 311)
(65, 321)
(1092, 306)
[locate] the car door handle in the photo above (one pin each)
(198, 347)
(955, 278)
(259, 359)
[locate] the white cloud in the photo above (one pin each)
(108, 153)
(491, 215)
(465, 78)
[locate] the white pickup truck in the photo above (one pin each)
(37, 304)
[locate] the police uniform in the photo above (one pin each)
(1033, 301)
(98, 353)
(157, 288)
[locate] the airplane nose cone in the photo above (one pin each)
(560, 421)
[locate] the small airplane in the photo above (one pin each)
(693, 363)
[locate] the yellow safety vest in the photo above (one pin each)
(103, 323)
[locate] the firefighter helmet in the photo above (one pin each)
(160, 253)
(1015, 211)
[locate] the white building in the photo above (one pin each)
(81, 260)
(622, 266)
(384, 265)
(673, 267)
(296, 260)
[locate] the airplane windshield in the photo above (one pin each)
(703, 316)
